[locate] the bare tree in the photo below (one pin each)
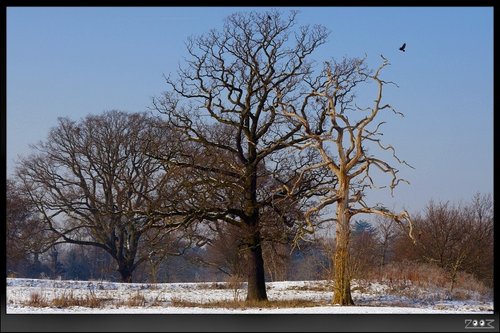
(457, 238)
(387, 233)
(93, 185)
(25, 236)
(226, 247)
(232, 78)
(480, 213)
(225, 250)
(277, 239)
(342, 132)
(363, 249)
(158, 244)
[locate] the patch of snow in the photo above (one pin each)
(370, 298)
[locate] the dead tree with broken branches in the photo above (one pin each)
(347, 137)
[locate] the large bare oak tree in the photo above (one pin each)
(231, 79)
(93, 184)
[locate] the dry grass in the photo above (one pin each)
(315, 287)
(232, 282)
(37, 300)
(404, 274)
(409, 278)
(136, 300)
(461, 295)
(64, 301)
(67, 300)
(235, 282)
(241, 304)
(89, 300)
(215, 286)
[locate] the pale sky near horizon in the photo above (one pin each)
(73, 61)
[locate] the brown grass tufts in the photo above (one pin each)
(68, 300)
(241, 304)
(313, 287)
(136, 300)
(37, 300)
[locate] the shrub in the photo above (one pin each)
(37, 300)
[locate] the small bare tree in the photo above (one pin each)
(342, 133)
(480, 212)
(387, 233)
(363, 250)
(456, 238)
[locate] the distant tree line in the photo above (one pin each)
(453, 237)
(456, 238)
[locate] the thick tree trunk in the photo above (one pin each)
(256, 274)
(256, 278)
(126, 273)
(342, 277)
(125, 254)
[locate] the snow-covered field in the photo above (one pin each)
(370, 298)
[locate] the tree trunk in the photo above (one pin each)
(453, 277)
(154, 271)
(342, 277)
(256, 274)
(126, 273)
(256, 277)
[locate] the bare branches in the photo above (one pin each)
(328, 118)
(233, 75)
(457, 237)
(93, 183)
(341, 132)
(238, 77)
(235, 81)
(402, 218)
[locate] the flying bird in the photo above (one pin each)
(402, 48)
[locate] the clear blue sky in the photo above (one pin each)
(76, 61)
